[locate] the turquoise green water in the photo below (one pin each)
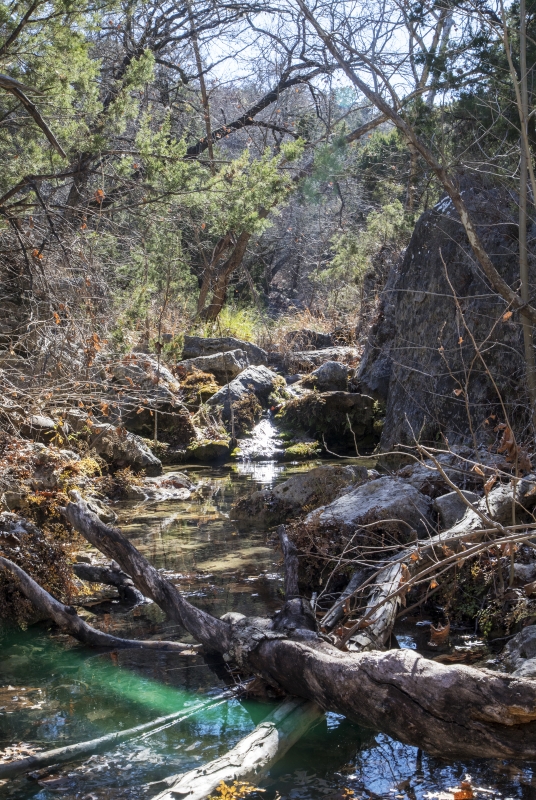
(55, 692)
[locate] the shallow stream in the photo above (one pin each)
(54, 692)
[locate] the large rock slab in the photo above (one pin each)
(397, 504)
(144, 386)
(417, 352)
(115, 444)
(308, 489)
(224, 366)
(196, 346)
(259, 381)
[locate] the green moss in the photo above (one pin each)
(246, 412)
(302, 451)
(208, 449)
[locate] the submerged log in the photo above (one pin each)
(252, 757)
(73, 752)
(68, 620)
(451, 711)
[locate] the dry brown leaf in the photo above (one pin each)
(439, 635)
(458, 392)
(506, 316)
(478, 470)
(490, 483)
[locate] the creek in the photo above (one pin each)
(54, 691)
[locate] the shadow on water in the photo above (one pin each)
(54, 692)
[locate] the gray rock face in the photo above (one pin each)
(307, 360)
(39, 428)
(124, 449)
(314, 488)
(331, 377)
(451, 507)
(196, 346)
(148, 387)
(413, 358)
(224, 366)
(258, 380)
(382, 499)
(519, 655)
(326, 415)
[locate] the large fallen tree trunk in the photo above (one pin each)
(252, 757)
(448, 710)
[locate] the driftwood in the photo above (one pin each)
(111, 576)
(73, 752)
(68, 620)
(252, 757)
(450, 711)
(336, 612)
(392, 582)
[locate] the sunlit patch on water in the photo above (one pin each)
(263, 472)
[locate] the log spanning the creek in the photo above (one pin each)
(452, 711)
(252, 757)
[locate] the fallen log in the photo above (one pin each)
(73, 752)
(252, 757)
(451, 711)
(68, 620)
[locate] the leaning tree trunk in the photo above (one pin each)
(450, 711)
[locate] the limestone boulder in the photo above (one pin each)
(123, 449)
(341, 418)
(196, 346)
(451, 508)
(402, 509)
(288, 499)
(417, 353)
(332, 376)
(308, 360)
(519, 655)
(224, 366)
(209, 449)
(259, 381)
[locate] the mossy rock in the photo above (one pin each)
(302, 451)
(198, 387)
(209, 450)
(342, 418)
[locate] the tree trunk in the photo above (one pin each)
(452, 711)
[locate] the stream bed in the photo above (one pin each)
(55, 692)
